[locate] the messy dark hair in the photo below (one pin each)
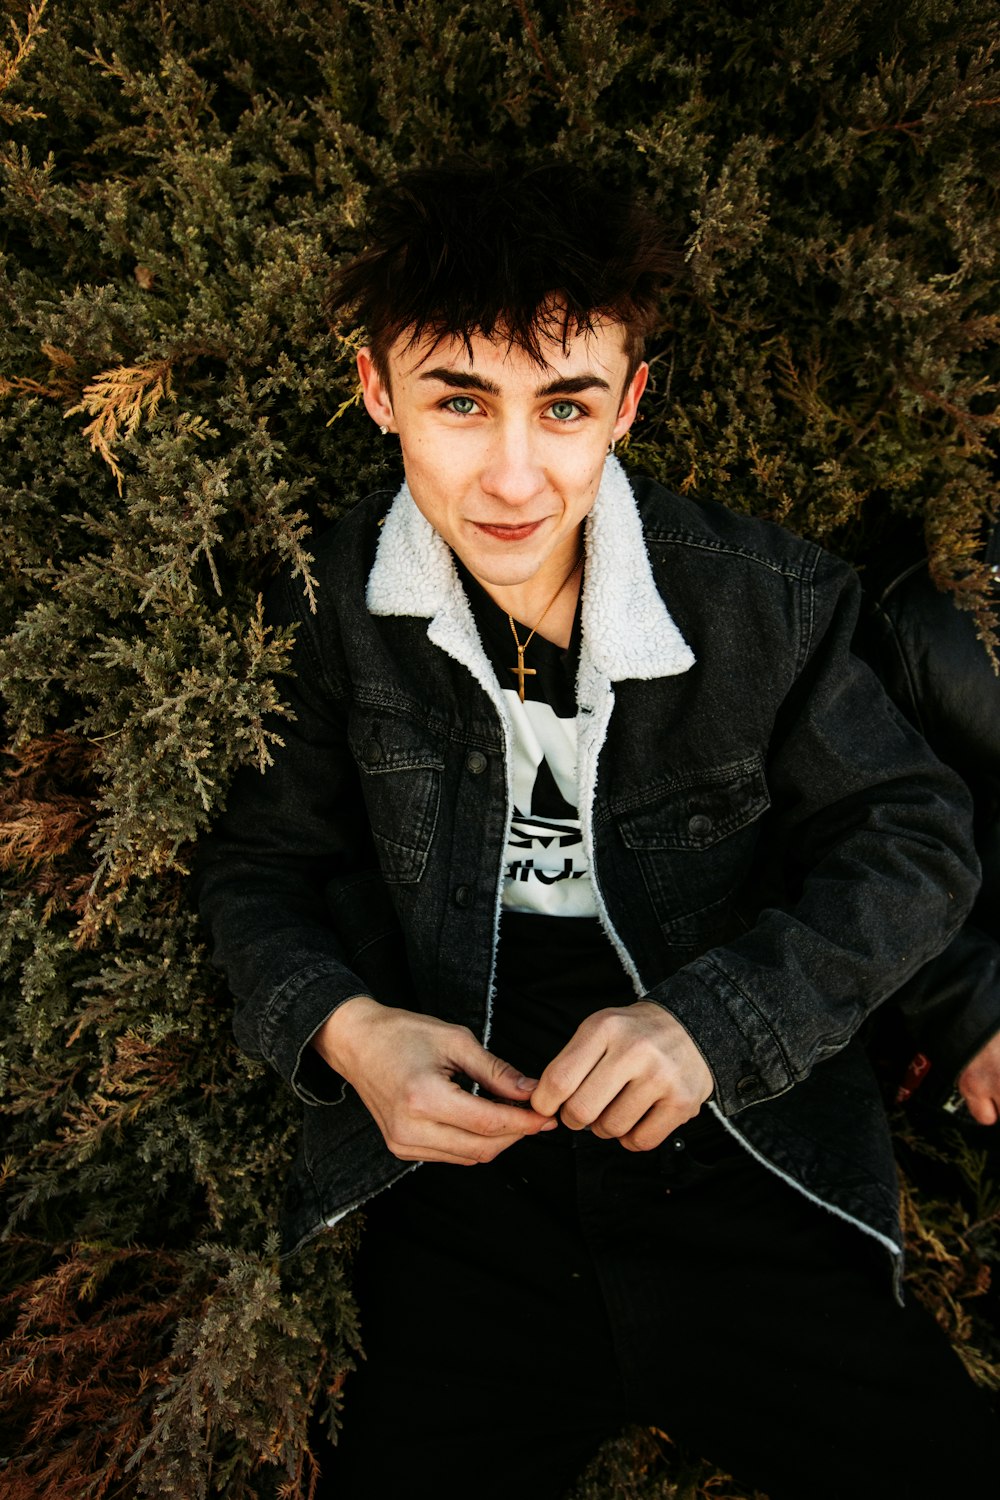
(520, 253)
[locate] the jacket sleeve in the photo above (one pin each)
(951, 1006)
(872, 870)
(289, 843)
(934, 668)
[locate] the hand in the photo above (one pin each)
(631, 1073)
(404, 1066)
(979, 1083)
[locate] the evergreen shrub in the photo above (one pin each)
(178, 419)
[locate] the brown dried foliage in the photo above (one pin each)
(61, 383)
(947, 1274)
(117, 400)
(46, 813)
(138, 1072)
(75, 1372)
(13, 59)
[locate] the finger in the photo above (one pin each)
(653, 1129)
(566, 1072)
(436, 1100)
(488, 1117)
(625, 1111)
(981, 1107)
(979, 1082)
(489, 1071)
(611, 1094)
(446, 1144)
(439, 1158)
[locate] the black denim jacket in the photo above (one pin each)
(928, 656)
(774, 848)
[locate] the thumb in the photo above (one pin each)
(982, 1108)
(495, 1075)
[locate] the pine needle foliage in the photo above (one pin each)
(178, 420)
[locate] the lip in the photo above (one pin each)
(508, 533)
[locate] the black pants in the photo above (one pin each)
(516, 1315)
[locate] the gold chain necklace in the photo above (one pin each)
(521, 671)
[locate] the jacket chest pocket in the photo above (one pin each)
(401, 786)
(693, 844)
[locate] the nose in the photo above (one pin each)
(512, 472)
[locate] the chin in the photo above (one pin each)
(501, 574)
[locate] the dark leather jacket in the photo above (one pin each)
(774, 848)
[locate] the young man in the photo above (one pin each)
(588, 850)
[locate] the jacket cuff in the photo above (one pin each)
(740, 1048)
(296, 1012)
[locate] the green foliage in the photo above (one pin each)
(177, 419)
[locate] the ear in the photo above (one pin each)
(378, 402)
(630, 402)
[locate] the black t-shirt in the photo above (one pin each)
(555, 964)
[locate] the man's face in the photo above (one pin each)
(504, 456)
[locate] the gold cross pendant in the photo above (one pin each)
(521, 671)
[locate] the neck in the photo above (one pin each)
(547, 600)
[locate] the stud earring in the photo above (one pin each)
(611, 446)
(383, 430)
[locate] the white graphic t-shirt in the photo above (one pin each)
(555, 964)
(546, 868)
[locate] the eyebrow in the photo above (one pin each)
(572, 385)
(563, 385)
(462, 380)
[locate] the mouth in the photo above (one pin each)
(508, 533)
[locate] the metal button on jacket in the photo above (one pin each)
(700, 825)
(475, 762)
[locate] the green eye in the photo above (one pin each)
(564, 411)
(463, 405)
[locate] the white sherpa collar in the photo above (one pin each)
(627, 630)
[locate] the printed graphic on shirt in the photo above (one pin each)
(546, 868)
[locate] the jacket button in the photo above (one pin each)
(372, 753)
(700, 825)
(475, 762)
(463, 895)
(748, 1086)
